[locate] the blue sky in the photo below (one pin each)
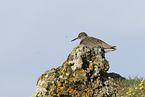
(35, 36)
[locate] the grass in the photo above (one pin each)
(132, 87)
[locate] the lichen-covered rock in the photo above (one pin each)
(83, 74)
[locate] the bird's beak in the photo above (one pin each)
(75, 39)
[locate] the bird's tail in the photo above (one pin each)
(113, 48)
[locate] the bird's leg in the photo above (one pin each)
(102, 52)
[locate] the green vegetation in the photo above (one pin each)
(133, 87)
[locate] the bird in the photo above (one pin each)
(92, 42)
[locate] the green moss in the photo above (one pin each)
(133, 87)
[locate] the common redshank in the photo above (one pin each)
(94, 42)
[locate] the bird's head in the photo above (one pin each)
(81, 36)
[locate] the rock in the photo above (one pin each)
(115, 76)
(84, 73)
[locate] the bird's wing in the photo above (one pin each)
(90, 42)
(99, 42)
